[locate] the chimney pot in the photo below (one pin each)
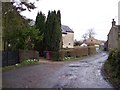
(113, 23)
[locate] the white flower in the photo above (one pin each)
(28, 60)
(34, 59)
(65, 57)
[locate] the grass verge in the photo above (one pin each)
(22, 64)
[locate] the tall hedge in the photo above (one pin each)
(50, 27)
(53, 31)
(112, 66)
(114, 61)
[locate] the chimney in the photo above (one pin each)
(113, 23)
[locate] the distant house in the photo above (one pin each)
(114, 36)
(105, 47)
(92, 42)
(67, 37)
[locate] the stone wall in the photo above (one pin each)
(113, 38)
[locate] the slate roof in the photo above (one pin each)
(66, 29)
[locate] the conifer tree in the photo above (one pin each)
(53, 31)
(40, 24)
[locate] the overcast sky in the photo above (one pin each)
(81, 15)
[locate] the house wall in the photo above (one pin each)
(93, 40)
(68, 40)
(113, 38)
(119, 37)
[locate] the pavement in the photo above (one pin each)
(85, 73)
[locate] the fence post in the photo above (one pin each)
(7, 58)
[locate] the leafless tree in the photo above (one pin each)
(84, 36)
(91, 33)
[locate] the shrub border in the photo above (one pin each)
(106, 75)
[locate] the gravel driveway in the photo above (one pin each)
(85, 73)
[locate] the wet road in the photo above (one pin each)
(85, 73)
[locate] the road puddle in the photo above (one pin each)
(79, 65)
(84, 61)
(74, 65)
(68, 76)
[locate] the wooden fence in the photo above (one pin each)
(10, 58)
(14, 57)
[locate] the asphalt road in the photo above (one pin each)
(85, 73)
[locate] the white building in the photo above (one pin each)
(67, 37)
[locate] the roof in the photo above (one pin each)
(90, 43)
(84, 44)
(92, 38)
(66, 29)
(114, 27)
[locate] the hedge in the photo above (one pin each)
(112, 66)
(77, 52)
(74, 52)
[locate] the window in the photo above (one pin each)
(69, 43)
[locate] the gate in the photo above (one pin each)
(10, 58)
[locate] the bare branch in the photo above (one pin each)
(84, 36)
(91, 33)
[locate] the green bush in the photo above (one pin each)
(114, 59)
(113, 65)
(66, 54)
(29, 61)
(54, 55)
(61, 55)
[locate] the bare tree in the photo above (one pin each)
(91, 33)
(84, 36)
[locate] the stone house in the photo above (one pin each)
(67, 37)
(105, 47)
(114, 36)
(92, 42)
